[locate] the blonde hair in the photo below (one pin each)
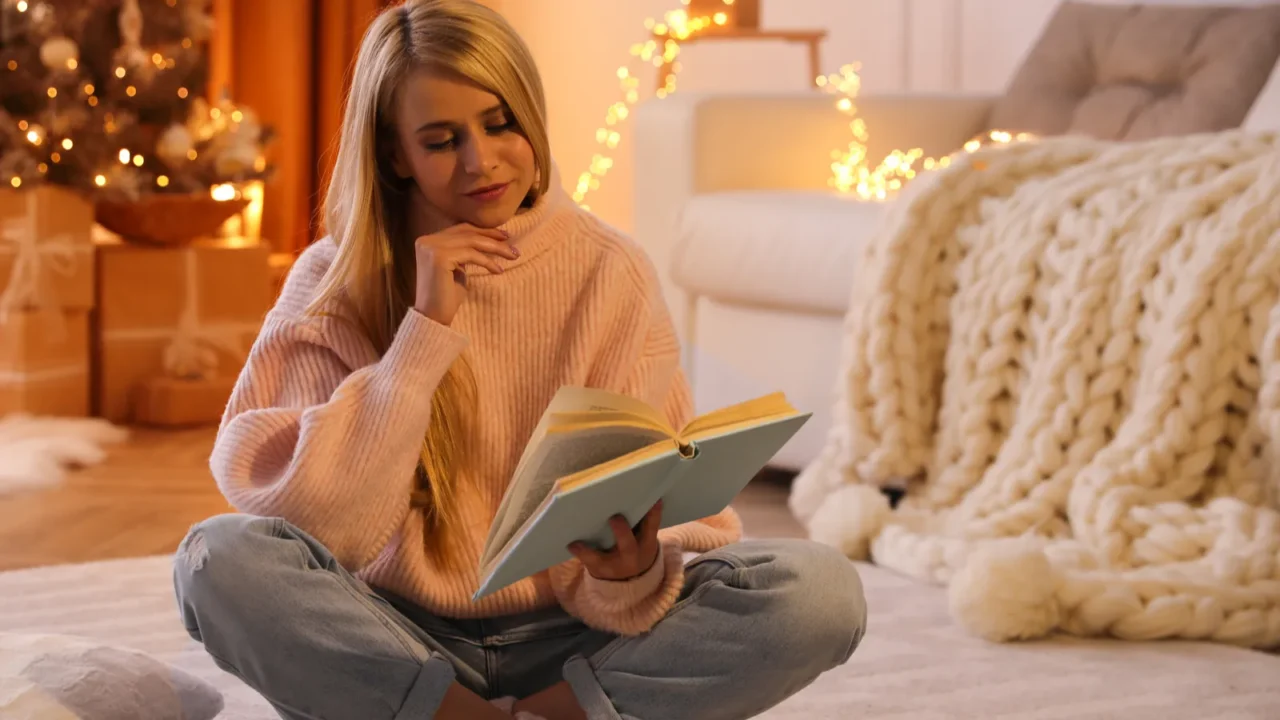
(365, 206)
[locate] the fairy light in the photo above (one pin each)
(15, 181)
(22, 5)
(162, 180)
(100, 180)
(124, 156)
(223, 192)
(67, 144)
(850, 169)
(662, 48)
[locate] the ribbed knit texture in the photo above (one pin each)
(324, 433)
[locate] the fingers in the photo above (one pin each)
(651, 522)
(624, 536)
(456, 259)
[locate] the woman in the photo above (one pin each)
(371, 435)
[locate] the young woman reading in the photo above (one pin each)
(385, 405)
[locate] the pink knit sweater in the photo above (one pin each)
(326, 434)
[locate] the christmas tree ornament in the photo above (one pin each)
(59, 53)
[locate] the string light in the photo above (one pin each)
(16, 181)
(100, 180)
(22, 5)
(162, 180)
(676, 26)
(850, 168)
(124, 156)
(850, 171)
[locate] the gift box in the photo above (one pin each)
(188, 313)
(46, 293)
(44, 362)
(180, 403)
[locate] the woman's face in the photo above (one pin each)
(461, 146)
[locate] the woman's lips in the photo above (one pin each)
(489, 193)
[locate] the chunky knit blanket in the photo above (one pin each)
(1067, 353)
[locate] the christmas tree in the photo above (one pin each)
(109, 97)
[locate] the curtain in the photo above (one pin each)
(289, 60)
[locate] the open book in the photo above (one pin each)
(596, 454)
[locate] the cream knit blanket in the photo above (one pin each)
(1068, 352)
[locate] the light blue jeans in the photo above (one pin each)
(755, 623)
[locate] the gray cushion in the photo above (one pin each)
(53, 677)
(1130, 72)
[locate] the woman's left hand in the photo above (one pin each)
(633, 553)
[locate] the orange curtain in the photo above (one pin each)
(289, 61)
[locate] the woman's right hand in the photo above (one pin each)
(441, 266)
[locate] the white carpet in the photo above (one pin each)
(915, 663)
(38, 451)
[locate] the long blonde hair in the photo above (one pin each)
(365, 207)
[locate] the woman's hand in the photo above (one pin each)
(441, 266)
(633, 553)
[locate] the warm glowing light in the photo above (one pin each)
(662, 48)
(120, 72)
(34, 138)
(192, 154)
(131, 91)
(850, 168)
(12, 65)
(100, 180)
(55, 156)
(182, 93)
(137, 160)
(88, 88)
(66, 143)
(22, 5)
(72, 64)
(124, 156)
(93, 101)
(162, 181)
(16, 181)
(236, 116)
(223, 192)
(52, 92)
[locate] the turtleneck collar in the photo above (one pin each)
(533, 230)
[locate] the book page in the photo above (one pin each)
(556, 456)
(568, 399)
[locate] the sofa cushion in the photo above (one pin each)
(1126, 72)
(788, 250)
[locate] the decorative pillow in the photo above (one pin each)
(1134, 72)
(55, 677)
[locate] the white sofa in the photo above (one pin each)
(755, 252)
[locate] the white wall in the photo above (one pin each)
(911, 45)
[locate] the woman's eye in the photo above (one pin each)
(439, 146)
(501, 128)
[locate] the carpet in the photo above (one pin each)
(915, 663)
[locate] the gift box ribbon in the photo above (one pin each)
(192, 350)
(10, 377)
(34, 258)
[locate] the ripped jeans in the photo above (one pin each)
(755, 623)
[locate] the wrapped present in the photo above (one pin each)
(44, 362)
(188, 313)
(46, 249)
(181, 402)
(46, 293)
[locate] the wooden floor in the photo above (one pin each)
(151, 489)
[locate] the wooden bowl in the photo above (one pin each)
(167, 219)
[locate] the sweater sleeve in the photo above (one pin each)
(635, 606)
(315, 434)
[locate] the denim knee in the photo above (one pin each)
(818, 597)
(215, 563)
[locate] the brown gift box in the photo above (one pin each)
(177, 403)
(46, 250)
(183, 313)
(44, 362)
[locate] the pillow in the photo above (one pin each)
(1140, 71)
(52, 677)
